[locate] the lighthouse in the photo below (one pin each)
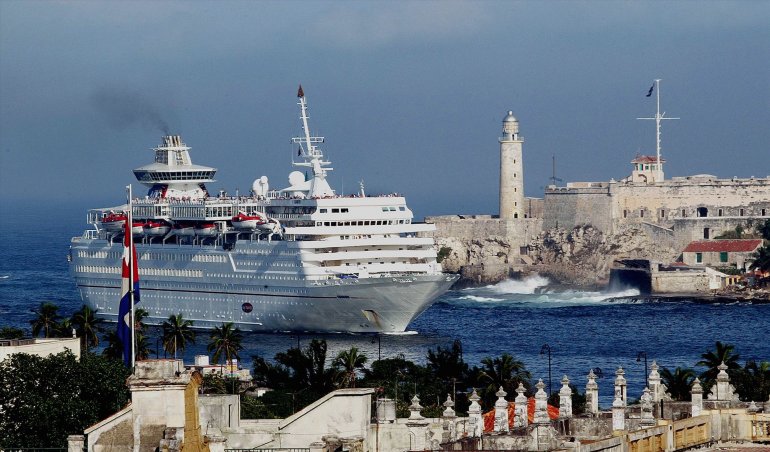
(511, 170)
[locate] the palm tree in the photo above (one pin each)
(723, 353)
(114, 347)
(347, 364)
(63, 328)
(177, 333)
(753, 381)
(225, 340)
(139, 316)
(46, 317)
(678, 382)
(142, 346)
(761, 259)
(505, 371)
(86, 324)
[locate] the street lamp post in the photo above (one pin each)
(379, 345)
(543, 350)
(639, 357)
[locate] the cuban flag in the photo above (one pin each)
(124, 310)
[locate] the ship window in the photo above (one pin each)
(344, 210)
(384, 209)
(366, 223)
(335, 210)
(326, 223)
(402, 208)
(392, 209)
(322, 210)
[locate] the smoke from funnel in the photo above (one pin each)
(123, 108)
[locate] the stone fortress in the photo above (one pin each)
(575, 233)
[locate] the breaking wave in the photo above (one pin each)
(534, 290)
(528, 285)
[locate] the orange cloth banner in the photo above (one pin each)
(489, 416)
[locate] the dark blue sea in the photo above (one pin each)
(583, 329)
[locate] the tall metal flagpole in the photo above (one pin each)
(658, 117)
(131, 273)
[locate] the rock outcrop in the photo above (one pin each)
(582, 256)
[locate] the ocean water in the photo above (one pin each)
(583, 329)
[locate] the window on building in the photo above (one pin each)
(741, 212)
(706, 233)
(699, 257)
(703, 212)
(641, 213)
(625, 213)
(662, 213)
(764, 212)
(723, 256)
(719, 212)
(684, 213)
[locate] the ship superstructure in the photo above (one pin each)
(301, 258)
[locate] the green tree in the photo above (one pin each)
(505, 371)
(139, 315)
(114, 349)
(59, 393)
(447, 364)
(752, 382)
(46, 317)
(87, 325)
(177, 333)
(9, 332)
(678, 382)
(722, 353)
(348, 364)
(225, 340)
(761, 259)
(142, 348)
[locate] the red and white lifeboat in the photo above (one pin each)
(249, 222)
(206, 230)
(184, 229)
(137, 228)
(156, 228)
(114, 222)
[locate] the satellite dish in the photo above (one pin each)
(296, 178)
(260, 186)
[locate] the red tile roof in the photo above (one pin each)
(734, 246)
(647, 159)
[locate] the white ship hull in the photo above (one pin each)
(213, 293)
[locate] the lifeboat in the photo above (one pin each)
(137, 228)
(156, 228)
(250, 222)
(184, 229)
(114, 222)
(206, 230)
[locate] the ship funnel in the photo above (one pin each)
(172, 141)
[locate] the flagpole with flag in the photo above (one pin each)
(658, 118)
(130, 290)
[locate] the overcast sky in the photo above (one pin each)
(409, 95)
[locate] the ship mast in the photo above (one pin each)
(658, 118)
(313, 156)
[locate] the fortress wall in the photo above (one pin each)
(610, 206)
(682, 198)
(570, 207)
(517, 232)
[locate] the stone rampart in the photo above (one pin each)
(482, 248)
(611, 205)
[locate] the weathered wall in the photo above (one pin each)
(684, 281)
(611, 205)
(485, 248)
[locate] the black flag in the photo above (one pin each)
(300, 93)
(649, 93)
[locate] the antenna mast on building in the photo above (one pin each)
(658, 117)
(553, 178)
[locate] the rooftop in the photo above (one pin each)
(735, 246)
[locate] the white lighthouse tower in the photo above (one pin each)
(511, 170)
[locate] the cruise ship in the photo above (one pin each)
(301, 258)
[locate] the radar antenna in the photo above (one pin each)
(658, 117)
